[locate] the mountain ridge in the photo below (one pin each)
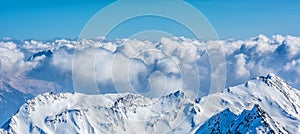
(130, 113)
(227, 122)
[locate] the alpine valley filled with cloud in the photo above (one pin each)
(149, 87)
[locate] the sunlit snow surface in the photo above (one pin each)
(265, 104)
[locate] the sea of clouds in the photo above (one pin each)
(148, 68)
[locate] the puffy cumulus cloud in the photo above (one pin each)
(293, 66)
(157, 65)
(262, 55)
(152, 68)
(239, 67)
(180, 48)
(12, 60)
(292, 71)
(14, 65)
(62, 59)
(290, 47)
(135, 66)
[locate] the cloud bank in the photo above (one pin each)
(144, 67)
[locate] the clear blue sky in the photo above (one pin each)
(239, 19)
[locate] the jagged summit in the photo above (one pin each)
(269, 76)
(258, 120)
(271, 93)
(255, 120)
(46, 53)
(177, 94)
(265, 105)
(273, 80)
(65, 112)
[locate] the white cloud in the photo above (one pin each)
(239, 67)
(293, 66)
(12, 60)
(171, 64)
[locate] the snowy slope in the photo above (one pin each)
(78, 113)
(255, 120)
(264, 104)
(10, 100)
(271, 93)
(16, 90)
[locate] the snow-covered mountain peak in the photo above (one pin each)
(46, 53)
(130, 101)
(75, 112)
(291, 94)
(178, 95)
(255, 120)
(271, 93)
(273, 79)
(277, 82)
(258, 119)
(263, 105)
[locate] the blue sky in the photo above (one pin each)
(239, 19)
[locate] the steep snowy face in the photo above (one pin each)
(271, 93)
(255, 120)
(10, 100)
(263, 105)
(15, 91)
